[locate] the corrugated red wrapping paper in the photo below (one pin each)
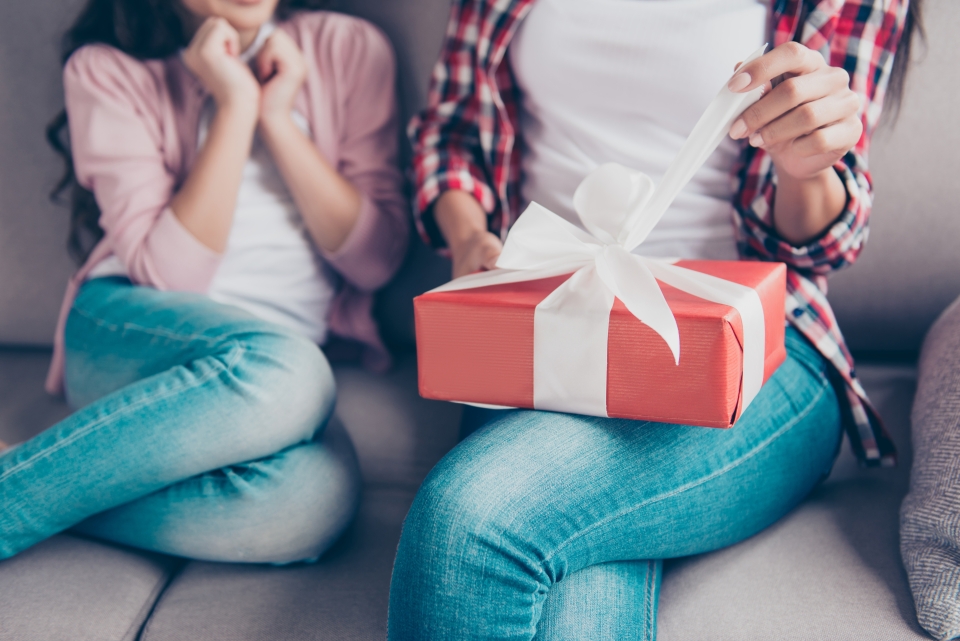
(476, 346)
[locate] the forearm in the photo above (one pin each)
(329, 203)
(206, 201)
(459, 217)
(804, 208)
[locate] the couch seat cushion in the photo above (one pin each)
(343, 597)
(829, 570)
(72, 588)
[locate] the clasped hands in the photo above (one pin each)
(265, 94)
(807, 120)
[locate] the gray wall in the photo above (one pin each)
(908, 273)
(910, 269)
(33, 262)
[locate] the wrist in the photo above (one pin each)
(805, 207)
(240, 114)
(461, 219)
(276, 122)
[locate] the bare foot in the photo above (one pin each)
(3, 446)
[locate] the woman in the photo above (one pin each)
(553, 526)
(242, 174)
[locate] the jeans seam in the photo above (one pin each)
(146, 330)
(649, 601)
(123, 410)
(733, 464)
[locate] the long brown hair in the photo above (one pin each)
(144, 29)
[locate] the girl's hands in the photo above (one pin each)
(808, 121)
(213, 56)
(282, 70)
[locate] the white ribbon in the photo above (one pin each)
(618, 207)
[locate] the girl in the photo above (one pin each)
(242, 174)
(554, 526)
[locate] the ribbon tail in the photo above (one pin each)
(744, 299)
(631, 281)
(570, 332)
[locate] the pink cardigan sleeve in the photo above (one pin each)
(361, 58)
(118, 138)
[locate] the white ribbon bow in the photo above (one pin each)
(618, 207)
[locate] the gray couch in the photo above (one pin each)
(830, 570)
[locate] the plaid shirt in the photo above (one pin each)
(468, 139)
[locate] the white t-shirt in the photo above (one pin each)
(626, 81)
(270, 267)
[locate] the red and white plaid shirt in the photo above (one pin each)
(468, 139)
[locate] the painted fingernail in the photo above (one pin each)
(739, 82)
(756, 140)
(738, 129)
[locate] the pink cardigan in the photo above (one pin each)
(133, 132)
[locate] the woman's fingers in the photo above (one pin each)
(836, 138)
(793, 94)
(788, 58)
(806, 118)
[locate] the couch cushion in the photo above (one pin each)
(829, 570)
(72, 588)
(930, 520)
(25, 409)
(398, 435)
(343, 597)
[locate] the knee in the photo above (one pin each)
(298, 505)
(286, 385)
(466, 508)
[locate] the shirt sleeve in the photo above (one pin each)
(447, 153)
(117, 138)
(861, 36)
(369, 141)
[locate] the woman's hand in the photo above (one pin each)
(282, 70)
(213, 56)
(807, 122)
(463, 223)
(477, 253)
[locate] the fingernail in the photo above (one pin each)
(756, 140)
(738, 129)
(739, 82)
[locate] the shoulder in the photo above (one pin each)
(344, 41)
(100, 69)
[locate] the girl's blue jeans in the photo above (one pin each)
(200, 434)
(552, 526)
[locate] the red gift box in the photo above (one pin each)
(477, 346)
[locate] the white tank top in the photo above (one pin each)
(626, 81)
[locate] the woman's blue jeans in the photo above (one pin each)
(553, 526)
(201, 434)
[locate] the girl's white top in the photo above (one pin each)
(270, 267)
(625, 81)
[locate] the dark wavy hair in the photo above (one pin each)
(144, 29)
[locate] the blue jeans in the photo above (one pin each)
(554, 526)
(201, 435)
